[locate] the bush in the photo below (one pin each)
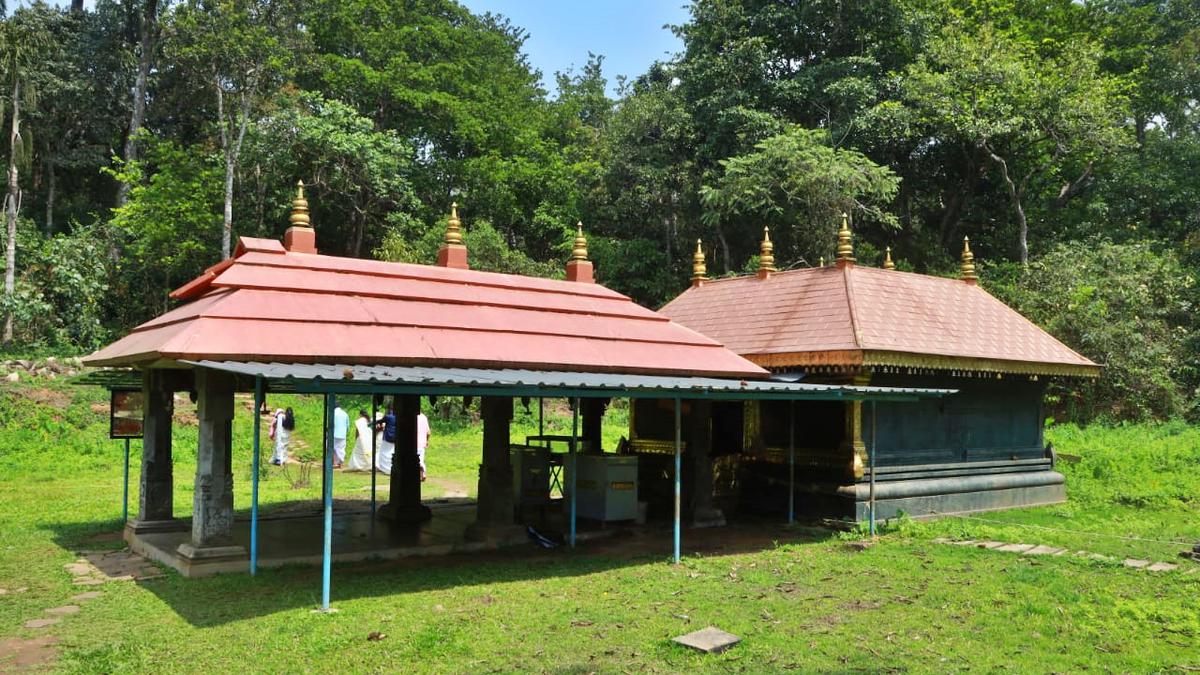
(1125, 306)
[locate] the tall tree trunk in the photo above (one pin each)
(51, 189)
(725, 255)
(10, 210)
(233, 149)
(1014, 195)
(146, 45)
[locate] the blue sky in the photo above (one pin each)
(629, 33)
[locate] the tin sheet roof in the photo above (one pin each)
(270, 304)
(350, 378)
(856, 316)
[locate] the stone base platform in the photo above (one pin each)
(297, 539)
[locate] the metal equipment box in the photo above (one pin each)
(531, 474)
(607, 484)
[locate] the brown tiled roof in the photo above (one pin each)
(855, 316)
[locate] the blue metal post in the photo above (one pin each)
(258, 395)
(791, 462)
(125, 498)
(678, 472)
(574, 464)
(327, 556)
(871, 460)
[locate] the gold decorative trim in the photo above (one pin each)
(850, 361)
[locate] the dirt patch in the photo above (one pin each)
(451, 489)
(49, 397)
(859, 605)
(97, 567)
(37, 653)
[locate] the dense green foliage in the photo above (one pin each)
(1030, 126)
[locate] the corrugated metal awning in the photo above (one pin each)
(430, 381)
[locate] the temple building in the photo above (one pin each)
(281, 318)
(846, 323)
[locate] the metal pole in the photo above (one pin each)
(374, 455)
(678, 476)
(327, 556)
(541, 416)
(125, 498)
(574, 464)
(871, 460)
(791, 462)
(258, 395)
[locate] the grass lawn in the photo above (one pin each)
(801, 599)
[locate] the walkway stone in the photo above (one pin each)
(64, 610)
(1042, 549)
(89, 595)
(41, 623)
(1162, 567)
(1136, 564)
(1015, 548)
(989, 544)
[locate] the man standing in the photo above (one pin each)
(341, 426)
(423, 434)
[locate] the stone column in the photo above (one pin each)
(404, 499)
(156, 493)
(591, 410)
(212, 512)
(698, 435)
(494, 515)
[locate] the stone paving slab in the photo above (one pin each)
(90, 595)
(989, 544)
(1015, 548)
(41, 623)
(710, 640)
(1043, 549)
(1136, 564)
(1162, 567)
(64, 610)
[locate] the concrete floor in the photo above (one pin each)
(298, 539)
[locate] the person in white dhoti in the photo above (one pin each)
(360, 457)
(341, 428)
(387, 445)
(423, 435)
(281, 431)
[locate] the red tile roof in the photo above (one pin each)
(270, 304)
(855, 316)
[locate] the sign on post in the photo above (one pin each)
(125, 414)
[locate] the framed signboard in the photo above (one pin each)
(125, 414)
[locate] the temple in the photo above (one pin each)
(846, 323)
(280, 317)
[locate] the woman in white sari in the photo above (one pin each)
(281, 431)
(361, 459)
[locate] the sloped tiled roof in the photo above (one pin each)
(270, 304)
(863, 316)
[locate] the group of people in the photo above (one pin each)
(383, 430)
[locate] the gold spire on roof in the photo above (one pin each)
(845, 247)
(579, 251)
(766, 256)
(699, 269)
(299, 216)
(968, 263)
(454, 227)
(887, 259)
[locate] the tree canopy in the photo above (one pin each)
(150, 134)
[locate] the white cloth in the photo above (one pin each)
(422, 439)
(282, 436)
(360, 458)
(339, 451)
(385, 450)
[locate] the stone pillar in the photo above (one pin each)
(496, 504)
(698, 435)
(212, 513)
(404, 500)
(156, 493)
(592, 413)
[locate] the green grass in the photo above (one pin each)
(799, 598)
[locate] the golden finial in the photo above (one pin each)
(299, 217)
(699, 269)
(887, 259)
(968, 263)
(766, 256)
(579, 251)
(845, 249)
(454, 227)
